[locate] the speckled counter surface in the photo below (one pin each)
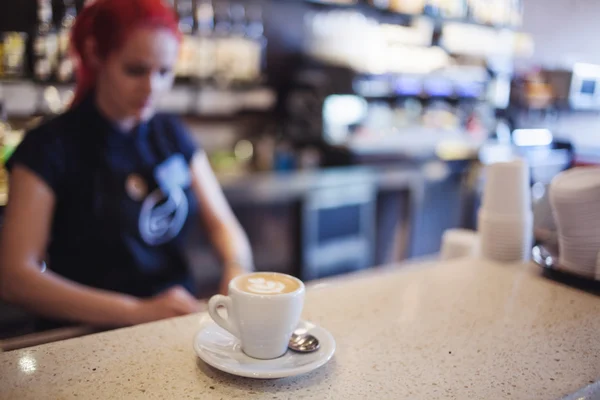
(467, 329)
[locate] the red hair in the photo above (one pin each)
(108, 23)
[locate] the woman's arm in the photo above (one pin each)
(225, 232)
(23, 246)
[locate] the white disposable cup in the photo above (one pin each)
(505, 227)
(576, 267)
(575, 199)
(459, 243)
(577, 183)
(263, 323)
(506, 240)
(507, 189)
(579, 254)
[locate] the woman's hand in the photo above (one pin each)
(229, 272)
(173, 302)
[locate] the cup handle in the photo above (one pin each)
(226, 323)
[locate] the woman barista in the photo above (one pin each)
(108, 191)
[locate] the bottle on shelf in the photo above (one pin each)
(516, 13)
(494, 12)
(407, 6)
(224, 46)
(65, 68)
(238, 45)
(186, 15)
(241, 45)
(205, 63)
(499, 13)
(45, 44)
(477, 11)
(12, 55)
(381, 4)
(284, 158)
(255, 34)
(448, 8)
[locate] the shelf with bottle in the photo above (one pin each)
(380, 112)
(224, 44)
(202, 101)
(405, 126)
(377, 11)
(13, 55)
(452, 84)
(26, 98)
(50, 58)
(42, 54)
(459, 82)
(347, 38)
(491, 13)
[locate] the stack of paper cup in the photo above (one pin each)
(459, 243)
(575, 198)
(505, 217)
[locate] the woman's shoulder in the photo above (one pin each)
(48, 150)
(169, 121)
(178, 133)
(57, 130)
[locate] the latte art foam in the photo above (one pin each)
(266, 283)
(263, 286)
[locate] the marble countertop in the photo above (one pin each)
(463, 329)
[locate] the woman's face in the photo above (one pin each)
(132, 79)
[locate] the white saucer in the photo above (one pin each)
(219, 349)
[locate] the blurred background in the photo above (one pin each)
(346, 134)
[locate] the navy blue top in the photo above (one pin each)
(124, 206)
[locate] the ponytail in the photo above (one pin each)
(82, 31)
(108, 23)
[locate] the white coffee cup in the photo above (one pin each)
(263, 310)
